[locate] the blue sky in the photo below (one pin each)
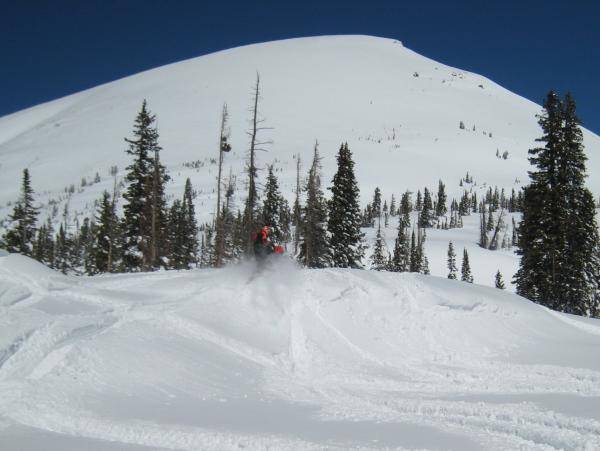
(49, 49)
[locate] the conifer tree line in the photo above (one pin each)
(138, 230)
(149, 235)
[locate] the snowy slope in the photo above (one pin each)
(291, 359)
(398, 110)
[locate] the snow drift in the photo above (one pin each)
(291, 358)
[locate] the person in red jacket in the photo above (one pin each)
(263, 246)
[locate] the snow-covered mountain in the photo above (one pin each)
(291, 359)
(399, 111)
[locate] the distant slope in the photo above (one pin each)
(291, 358)
(399, 111)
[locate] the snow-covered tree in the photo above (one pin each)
(344, 214)
(465, 273)
(20, 235)
(452, 270)
(499, 281)
(315, 251)
(558, 237)
(379, 256)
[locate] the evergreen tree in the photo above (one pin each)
(415, 257)
(176, 235)
(20, 235)
(393, 206)
(499, 282)
(401, 258)
(144, 222)
(105, 244)
(314, 246)
(344, 214)
(376, 206)
(43, 250)
(441, 209)
(452, 270)
(423, 262)
(419, 203)
(465, 272)
(425, 217)
(558, 236)
(378, 258)
(272, 208)
(62, 251)
(405, 208)
(87, 232)
(189, 228)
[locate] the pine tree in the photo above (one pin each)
(62, 250)
(104, 238)
(315, 251)
(272, 208)
(144, 213)
(344, 214)
(452, 270)
(376, 206)
(425, 216)
(393, 206)
(378, 258)
(20, 236)
(43, 250)
(558, 238)
(465, 272)
(415, 258)
(189, 227)
(176, 235)
(405, 208)
(419, 203)
(499, 282)
(401, 257)
(87, 232)
(423, 262)
(441, 209)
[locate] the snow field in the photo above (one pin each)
(291, 358)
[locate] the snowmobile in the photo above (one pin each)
(264, 249)
(263, 246)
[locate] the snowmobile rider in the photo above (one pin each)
(263, 246)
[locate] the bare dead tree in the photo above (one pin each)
(250, 215)
(224, 146)
(297, 212)
(111, 237)
(494, 241)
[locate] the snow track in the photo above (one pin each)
(294, 359)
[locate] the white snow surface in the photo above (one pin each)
(399, 112)
(288, 358)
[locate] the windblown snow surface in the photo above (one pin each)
(289, 358)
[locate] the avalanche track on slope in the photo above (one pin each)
(295, 359)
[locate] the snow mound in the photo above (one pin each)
(291, 357)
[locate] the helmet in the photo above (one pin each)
(266, 230)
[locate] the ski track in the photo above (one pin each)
(311, 337)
